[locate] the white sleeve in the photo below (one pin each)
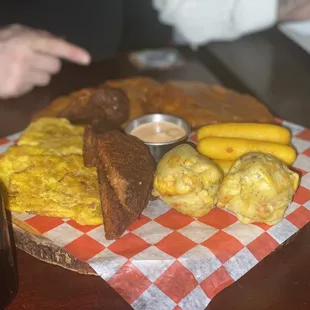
(202, 21)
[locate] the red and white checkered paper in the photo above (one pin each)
(166, 260)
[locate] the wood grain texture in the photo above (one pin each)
(47, 251)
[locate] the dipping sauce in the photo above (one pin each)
(158, 132)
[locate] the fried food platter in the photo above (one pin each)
(197, 103)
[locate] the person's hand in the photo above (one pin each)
(29, 58)
(291, 10)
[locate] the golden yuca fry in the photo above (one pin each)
(252, 131)
(232, 148)
(224, 165)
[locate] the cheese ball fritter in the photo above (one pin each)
(187, 181)
(258, 188)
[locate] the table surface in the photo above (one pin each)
(281, 280)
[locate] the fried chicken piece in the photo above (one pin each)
(169, 99)
(104, 103)
(125, 171)
(89, 105)
(61, 103)
(217, 104)
(137, 90)
(201, 104)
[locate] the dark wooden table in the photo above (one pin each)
(280, 281)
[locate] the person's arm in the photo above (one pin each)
(29, 57)
(293, 10)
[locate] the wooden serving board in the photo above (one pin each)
(34, 243)
(216, 99)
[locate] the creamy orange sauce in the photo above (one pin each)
(159, 132)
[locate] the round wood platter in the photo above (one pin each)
(216, 99)
(32, 242)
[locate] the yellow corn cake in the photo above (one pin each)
(44, 173)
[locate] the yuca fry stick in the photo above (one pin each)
(252, 131)
(224, 165)
(232, 148)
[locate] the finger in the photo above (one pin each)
(46, 63)
(60, 48)
(18, 91)
(43, 32)
(27, 87)
(38, 78)
(21, 90)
